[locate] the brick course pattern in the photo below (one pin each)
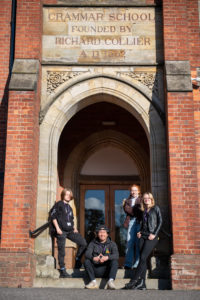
(20, 135)
(21, 165)
(181, 42)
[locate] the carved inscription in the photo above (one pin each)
(98, 35)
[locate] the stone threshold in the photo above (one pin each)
(78, 280)
(79, 283)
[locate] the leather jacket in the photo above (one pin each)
(154, 221)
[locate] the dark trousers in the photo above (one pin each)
(106, 270)
(146, 246)
(74, 237)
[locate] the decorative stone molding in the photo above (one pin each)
(56, 78)
(150, 80)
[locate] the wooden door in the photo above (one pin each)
(102, 204)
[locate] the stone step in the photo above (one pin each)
(121, 274)
(78, 283)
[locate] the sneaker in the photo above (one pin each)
(111, 285)
(64, 274)
(92, 285)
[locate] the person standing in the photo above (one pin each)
(132, 223)
(63, 220)
(101, 259)
(148, 236)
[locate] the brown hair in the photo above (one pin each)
(63, 193)
(143, 206)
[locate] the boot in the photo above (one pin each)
(78, 264)
(131, 285)
(140, 285)
(64, 274)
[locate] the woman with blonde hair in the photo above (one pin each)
(148, 235)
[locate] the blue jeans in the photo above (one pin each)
(132, 247)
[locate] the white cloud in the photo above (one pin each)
(94, 203)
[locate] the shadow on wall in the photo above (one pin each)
(3, 132)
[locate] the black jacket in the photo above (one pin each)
(154, 221)
(95, 248)
(63, 218)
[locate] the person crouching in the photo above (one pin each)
(101, 259)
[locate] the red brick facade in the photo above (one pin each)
(19, 140)
(181, 42)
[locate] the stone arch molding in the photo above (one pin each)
(99, 140)
(64, 107)
(141, 82)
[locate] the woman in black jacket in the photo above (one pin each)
(148, 235)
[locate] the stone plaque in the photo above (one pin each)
(101, 35)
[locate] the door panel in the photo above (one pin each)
(93, 208)
(118, 193)
(102, 204)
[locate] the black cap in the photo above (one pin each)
(102, 227)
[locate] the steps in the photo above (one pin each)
(78, 279)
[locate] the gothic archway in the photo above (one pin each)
(68, 103)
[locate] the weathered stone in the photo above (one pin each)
(178, 76)
(179, 83)
(24, 75)
(177, 67)
(102, 2)
(23, 82)
(27, 66)
(102, 35)
(45, 267)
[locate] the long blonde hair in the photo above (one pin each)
(143, 205)
(64, 191)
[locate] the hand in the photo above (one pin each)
(139, 235)
(59, 231)
(96, 259)
(75, 230)
(151, 237)
(103, 259)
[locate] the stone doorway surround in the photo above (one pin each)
(97, 141)
(65, 91)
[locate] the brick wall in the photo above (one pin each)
(181, 42)
(20, 182)
(21, 166)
